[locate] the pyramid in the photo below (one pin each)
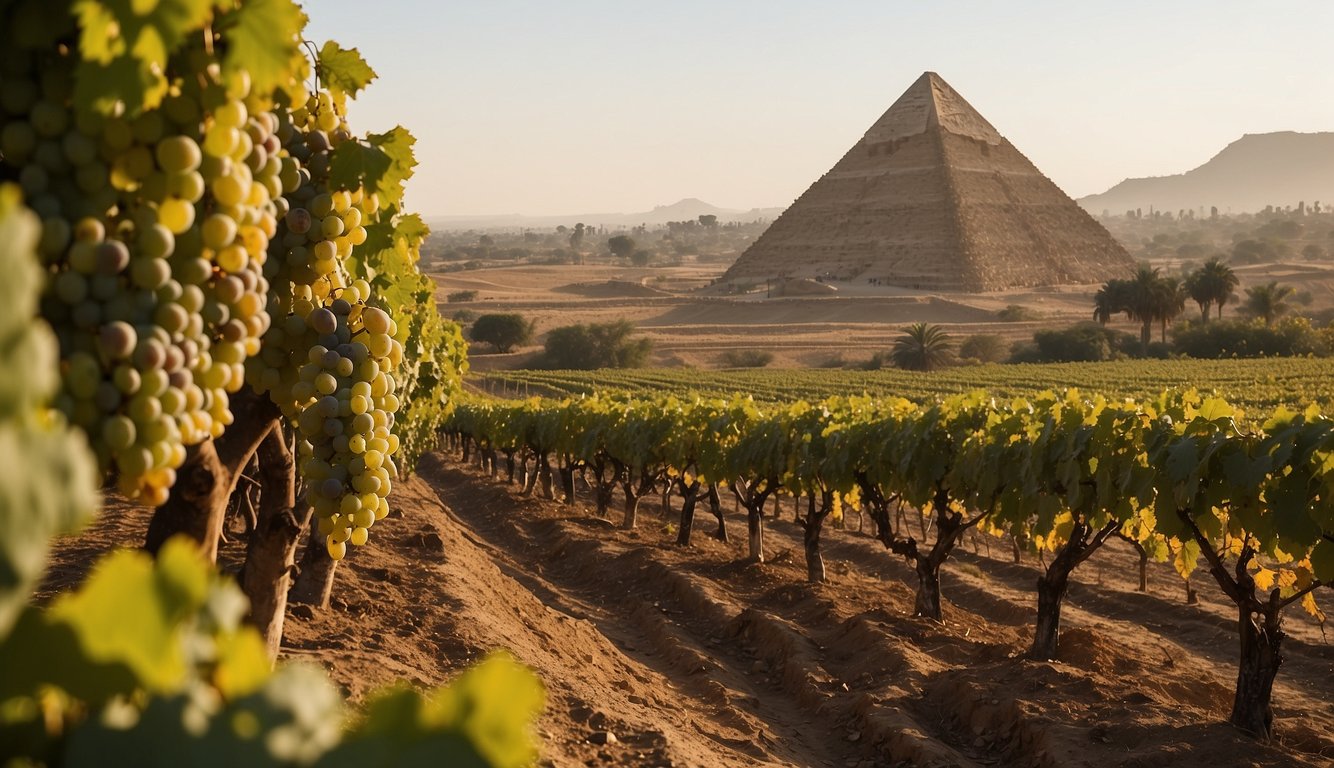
(934, 198)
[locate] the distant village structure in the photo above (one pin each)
(934, 198)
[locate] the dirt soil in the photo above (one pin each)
(692, 657)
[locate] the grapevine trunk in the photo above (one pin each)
(689, 495)
(198, 504)
(927, 603)
(1261, 641)
(314, 581)
(631, 506)
(567, 480)
(1052, 587)
(755, 533)
(266, 575)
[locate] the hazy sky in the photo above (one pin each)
(587, 106)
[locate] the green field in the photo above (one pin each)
(1259, 384)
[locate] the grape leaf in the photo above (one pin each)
(397, 145)
(263, 38)
(1186, 558)
(1322, 560)
(343, 70)
(358, 164)
(411, 227)
(125, 48)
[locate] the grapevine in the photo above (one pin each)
(210, 228)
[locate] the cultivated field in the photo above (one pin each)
(691, 325)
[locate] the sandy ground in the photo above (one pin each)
(691, 326)
(692, 657)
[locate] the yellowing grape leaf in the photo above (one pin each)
(125, 46)
(263, 39)
(483, 718)
(1185, 558)
(343, 70)
(129, 610)
(1311, 607)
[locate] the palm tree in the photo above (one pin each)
(923, 347)
(1268, 301)
(1147, 298)
(1143, 301)
(1201, 292)
(1212, 284)
(1111, 299)
(1168, 302)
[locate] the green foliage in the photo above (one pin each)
(381, 163)
(1268, 302)
(621, 246)
(343, 71)
(984, 348)
(1085, 342)
(1148, 297)
(746, 358)
(157, 669)
(1249, 338)
(482, 719)
(125, 50)
(1250, 384)
(52, 489)
(923, 347)
(503, 331)
(1213, 284)
(595, 345)
(1016, 313)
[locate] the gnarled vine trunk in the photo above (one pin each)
(567, 481)
(689, 494)
(716, 507)
(315, 577)
(753, 501)
(198, 504)
(1261, 642)
(271, 553)
(812, 526)
(1055, 581)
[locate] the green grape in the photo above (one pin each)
(178, 154)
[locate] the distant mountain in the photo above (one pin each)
(1257, 170)
(682, 210)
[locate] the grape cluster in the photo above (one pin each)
(328, 361)
(196, 247)
(155, 231)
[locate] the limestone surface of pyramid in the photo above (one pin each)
(934, 198)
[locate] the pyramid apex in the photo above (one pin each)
(929, 103)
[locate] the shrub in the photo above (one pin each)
(877, 361)
(1016, 313)
(502, 331)
(1085, 342)
(984, 348)
(596, 345)
(1249, 338)
(746, 358)
(458, 296)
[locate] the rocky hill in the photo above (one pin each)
(1257, 170)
